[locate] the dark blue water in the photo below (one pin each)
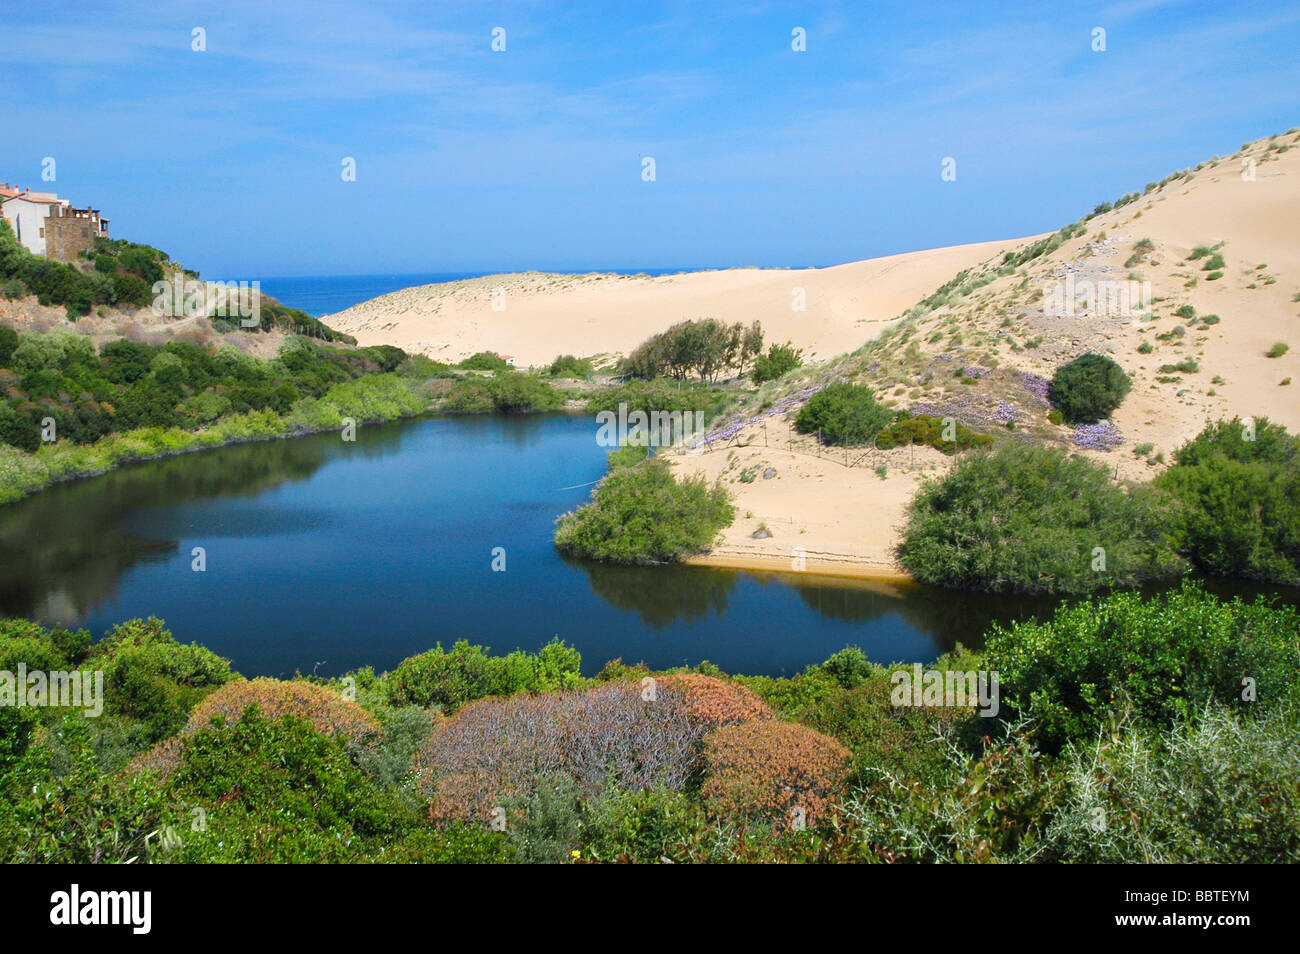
(320, 551)
(327, 295)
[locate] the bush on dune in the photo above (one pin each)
(1238, 484)
(1088, 388)
(843, 413)
(1031, 520)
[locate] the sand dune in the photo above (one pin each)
(543, 314)
(847, 519)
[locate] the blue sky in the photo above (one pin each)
(473, 160)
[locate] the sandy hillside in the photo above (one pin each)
(980, 354)
(545, 314)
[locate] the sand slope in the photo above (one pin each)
(547, 314)
(841, 517)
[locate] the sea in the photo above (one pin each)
(327, 295)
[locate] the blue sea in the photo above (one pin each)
(327, 295)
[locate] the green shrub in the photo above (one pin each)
(779, 360)
(1030, 519)
(1088, 388)
(928, 430)
(448, 679)
(508, 392)
(642, 514)
(484, 361)
(1239, 499)
(152, 678)
(1279, 348)
(1146, 662)
(1221, 788)
(843, 413)
(567, 366)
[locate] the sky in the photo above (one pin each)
(469, 159)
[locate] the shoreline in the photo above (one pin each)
(846, 568)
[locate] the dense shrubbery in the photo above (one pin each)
(843, 413)
(1123, 735)
(1088, 388)
(660, 395)
(642, 514)
(509, 392)
(135, 400)
(1240, 500)
(705, 348)
(449, 679)
(1032, 520)
(779, 360)
(929, 430)
(1129, 661)
(484, 361)
(567, 366)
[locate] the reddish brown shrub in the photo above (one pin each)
(325, 710)
(496, 749)
(766, 769)
(714, 702)
(164, 758)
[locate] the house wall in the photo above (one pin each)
(27, 219)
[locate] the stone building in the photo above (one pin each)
(50, 226)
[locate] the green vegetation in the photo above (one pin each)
(705, 348)
(1124, 732)
(1028, 519)
(642, 514)
(1278, 349)
(1238, 486)
(843, 413)
(929, 430)
(484, 361)
(1088, 388)
(1145, 663)
(567, 366)
(508, 392)
(661, 395)
(779, 360)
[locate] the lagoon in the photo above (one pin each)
(324, 555)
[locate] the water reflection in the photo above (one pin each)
(63, 550)
(662, 595)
